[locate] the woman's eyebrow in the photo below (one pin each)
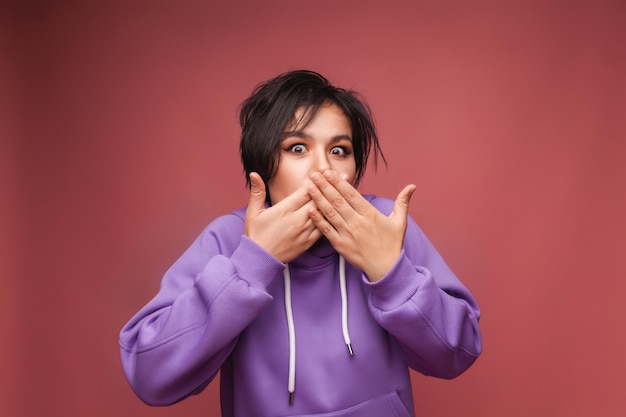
(297, 134)
(339, 138)
(305, 136)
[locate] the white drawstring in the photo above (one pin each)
(291, 385)
(344, 304)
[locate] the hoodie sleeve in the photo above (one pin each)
(174, 346)
(427, 310)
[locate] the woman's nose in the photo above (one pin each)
(322, 163)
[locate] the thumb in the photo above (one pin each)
(257, 192)
(401, 205)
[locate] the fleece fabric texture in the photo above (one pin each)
(221, 307)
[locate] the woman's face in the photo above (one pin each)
(325, 143)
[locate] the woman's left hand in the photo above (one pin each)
(363, 235)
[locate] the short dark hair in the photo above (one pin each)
(271, 107)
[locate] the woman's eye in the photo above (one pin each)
(339, 151)
(297, 148)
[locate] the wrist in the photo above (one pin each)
(377, 270)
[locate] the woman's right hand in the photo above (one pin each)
(285, 230)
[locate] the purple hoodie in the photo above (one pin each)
(222, 306)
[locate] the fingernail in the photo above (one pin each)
(316, 177)
(344, 177)
(328, 174)
(313, 189)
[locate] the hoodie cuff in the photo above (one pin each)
(254, 264)
(398, 285)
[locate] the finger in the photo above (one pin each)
(330, 211)
(328, 198)
(302, 213)
(323, 225)
(315, 234)
(401, 205)
(306, 231)
(297, 199)
(257, 193)
(338, 190)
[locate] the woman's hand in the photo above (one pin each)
(363, 235)
(284, 230)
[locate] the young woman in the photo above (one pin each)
(315, 299)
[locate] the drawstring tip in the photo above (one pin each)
(350, 351)
(290, 397)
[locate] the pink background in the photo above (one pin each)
(119, 144)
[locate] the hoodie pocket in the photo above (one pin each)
(388, 405)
